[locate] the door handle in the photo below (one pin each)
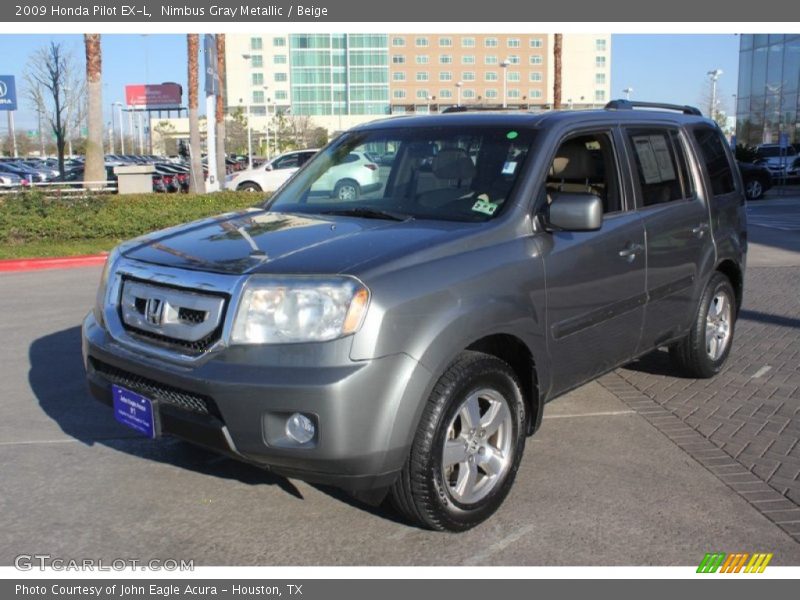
(700, 230)
(630, 251)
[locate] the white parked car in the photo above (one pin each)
(356, 174)
(271, 175)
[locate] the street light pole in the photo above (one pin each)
(121, 127)
(248, 57)
(459, 85)
(627, 91)
(266, 92)
(504, 65)
(113, 128)
(714, 76)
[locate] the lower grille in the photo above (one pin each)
(195, 403)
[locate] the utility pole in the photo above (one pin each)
(714, 76)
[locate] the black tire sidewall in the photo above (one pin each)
(718, 283)
(344, 183)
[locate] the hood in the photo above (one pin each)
(258, 241)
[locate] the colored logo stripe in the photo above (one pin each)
(734, 563)
(711, 562)
(758, 563)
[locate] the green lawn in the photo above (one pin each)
(32, 225)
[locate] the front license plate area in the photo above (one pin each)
(135, 411)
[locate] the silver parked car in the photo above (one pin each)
(404, 340)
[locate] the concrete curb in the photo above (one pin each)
(59, 262)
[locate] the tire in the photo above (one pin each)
(754, 189)
(703, 352)
(248, 186)
(439, 497)
(347, 190)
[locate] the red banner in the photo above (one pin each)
(164, 95)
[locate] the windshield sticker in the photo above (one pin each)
(482, 206)
(512, 135)
(654, 158)
(509, 167)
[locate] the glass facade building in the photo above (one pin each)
(339, 74)
(769, 79)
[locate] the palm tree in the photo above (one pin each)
(557, 42)
(95, 169)
(198, 184)
(220, 116)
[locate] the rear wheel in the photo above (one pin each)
(703, 352)
(249, 186)
(347, 190)
(468, 446)
(754, 189)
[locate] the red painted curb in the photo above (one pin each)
(60, 262)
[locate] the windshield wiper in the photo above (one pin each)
(368, 213)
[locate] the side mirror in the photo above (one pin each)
(269, 168)
(574, 212)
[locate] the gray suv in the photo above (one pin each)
(404, 341)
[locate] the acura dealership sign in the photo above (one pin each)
(8, 93)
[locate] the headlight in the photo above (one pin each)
(299, 309)
(102, 289)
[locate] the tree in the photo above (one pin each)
(220, 116)
(198, 184)
(557, 51)
(236, 131)
(52, 82)
(166, 136)
(95, 159)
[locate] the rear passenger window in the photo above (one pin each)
(660, 165)
(712, 151)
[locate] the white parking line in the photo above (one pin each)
(499, 546)
(38, 442)
(761, 372)
(611, 413)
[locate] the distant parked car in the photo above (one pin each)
(776, 158)
(74, 177)
(355, 175)
(272, 175)
(757, 179)
(10, 181)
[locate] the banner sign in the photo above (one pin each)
(212, 76)
(164, 95)
(8, 93)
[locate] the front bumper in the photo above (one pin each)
(366, 411)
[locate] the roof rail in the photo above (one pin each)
(631, 104)
(486, 108)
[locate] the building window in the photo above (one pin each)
(468, 60)
(256, 61)
(422, 76)
(281, 95)
(600, 62)
(600, 45)
(490, 60)
(422, 94)
(513, 43)
(491, 76)
(536, 94)
(468, 42)
(600, 78)
(398, 76)
(536, 43)
(445, 76)
(513, 76)
(281, 77)
(421, 42)
(600, 95)
(445, 42)
(398, 94)
(535, 76)
(445, 93)
(445, 59)
(513, 93)
(468, 76)
(513, 59)
(258, 97)
(398, 59)
(257, 78)
(398, 42)
(491, 94)
(279, 42)
(279, 59)
(491, 42)
(468, 93)
(421, 59)
(536, 59)
(256, 43)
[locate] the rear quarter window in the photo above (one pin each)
(715, 159)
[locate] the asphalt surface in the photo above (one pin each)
(599, 484)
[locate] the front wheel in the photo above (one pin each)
(754, 189)
(467, 449)
(249, 187)
(703, 352)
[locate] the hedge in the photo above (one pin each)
(38, 221)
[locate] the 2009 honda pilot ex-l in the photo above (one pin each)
(406, 339)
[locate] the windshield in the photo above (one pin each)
(447, 173)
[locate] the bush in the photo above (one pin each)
(32, 218)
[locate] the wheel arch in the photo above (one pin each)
(734, 273)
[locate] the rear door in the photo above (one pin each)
(676, 222)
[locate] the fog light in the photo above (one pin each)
(300, 428)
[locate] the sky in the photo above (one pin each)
(665, 68)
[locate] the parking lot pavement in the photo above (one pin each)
(745, 423)
(598, 484)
